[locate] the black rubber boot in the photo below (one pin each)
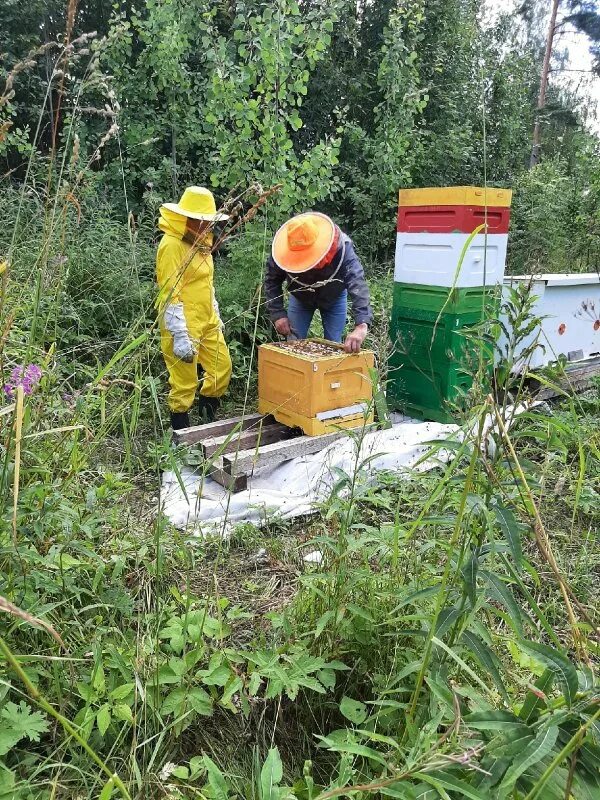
(179, 420)
(207, 406)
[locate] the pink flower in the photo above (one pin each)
(28, 377)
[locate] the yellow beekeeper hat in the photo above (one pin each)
(303, 241)
(197, 203)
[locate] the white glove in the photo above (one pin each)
(216, 310)
(183, 347)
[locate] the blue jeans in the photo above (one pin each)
(334, 318)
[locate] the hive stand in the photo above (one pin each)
(236, 447)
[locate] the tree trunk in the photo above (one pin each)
(536, 148)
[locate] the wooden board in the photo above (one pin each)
(245, 461)
(576, 378)
(236, 483)
(252, 438)
(198, 433)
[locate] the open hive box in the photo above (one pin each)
(314, 385)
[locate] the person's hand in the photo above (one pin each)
(282, 326)
(355, 339)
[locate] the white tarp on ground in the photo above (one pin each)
(295, 487)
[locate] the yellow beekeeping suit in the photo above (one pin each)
(189, 281)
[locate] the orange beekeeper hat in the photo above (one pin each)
(303, 242)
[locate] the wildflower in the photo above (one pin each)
(167, 771)
(28, 377)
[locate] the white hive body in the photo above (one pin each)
(432, 259)
(568, 305)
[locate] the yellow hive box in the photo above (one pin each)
(456, 196)
(306, 389)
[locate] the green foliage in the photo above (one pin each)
(251, 68)
(550, 224)
(258, 79)
(20, 722)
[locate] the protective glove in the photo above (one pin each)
(216, 310)
(183, 347)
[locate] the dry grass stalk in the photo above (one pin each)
(18, 437)
(545, 548)
(15, 611)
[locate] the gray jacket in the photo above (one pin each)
(320, 288)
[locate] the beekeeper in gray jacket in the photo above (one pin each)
(320, 266)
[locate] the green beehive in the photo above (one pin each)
(473, 299)
(436, 353)
(430, 392)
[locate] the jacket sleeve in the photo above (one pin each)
(274, 280)
(170, 264)
(356, 284)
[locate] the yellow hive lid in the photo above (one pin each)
(456, 196)
(337, 350)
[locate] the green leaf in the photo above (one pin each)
(181, 772)
(8, 739)
(103, 718)
(447, 617)
(501, 594)
(327, 677)
(99, 680)
(357, 611)
(121, 692)
(271, 775)
(564, 672)
(254, 683)
(322, 622)
(469, 576)
(180, 700)
(512, 748)
(216, 780)
(511, 531)
(196, 767)
(354, 710)
(353, 748)
(18, 722)
(174, 702)
(585, 787)
(120, 354)
(122, 712)
(402, 791)
(218, 676)
(448, 781)
(461, 663)
(413, 597)
(201, 702)
(107, 790)
(486, 659)
(86, 691)
(7, 784)
(532, 701)
(497, 721)
(535, 751)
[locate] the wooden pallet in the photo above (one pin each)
(578, 377)
(236, 447)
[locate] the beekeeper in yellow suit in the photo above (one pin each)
(191, 331)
